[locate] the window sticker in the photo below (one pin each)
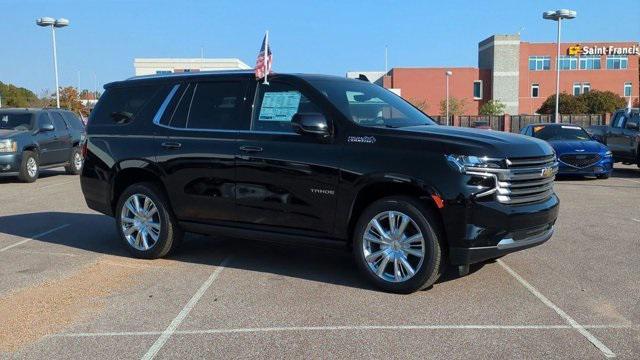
(279, 106)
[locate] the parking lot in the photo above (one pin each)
(69, 289)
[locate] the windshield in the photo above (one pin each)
(15, 121)
(562, 132)
(371, 105)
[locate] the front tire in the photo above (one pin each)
(603, 176)
(145, 222)
(398, 245)
(29, 167)
(75, 162)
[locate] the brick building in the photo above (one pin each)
(522, 75)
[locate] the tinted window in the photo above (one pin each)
(58, 121)
(276, 104)
(371, 105)
(44, 119)
(119, 102)
(72, 120)
(180, 113)
(15, 121)
(618, 121)
(215, 105)
(560, 132)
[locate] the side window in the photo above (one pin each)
(58, 121)
(72, 120)
(275, 106)
(635, 119)
(216, 106)
(181, 111)
(44, 119)
(619, 119)
(118, 103)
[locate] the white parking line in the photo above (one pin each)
(352, 328)
(574, 324)
(56, 184)
(166, 334)
(34, 237)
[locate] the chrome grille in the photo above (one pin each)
(524, 180)
(580, 160)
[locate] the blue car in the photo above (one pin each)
(577, 152)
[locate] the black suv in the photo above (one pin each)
(316, 159)
(31, 139)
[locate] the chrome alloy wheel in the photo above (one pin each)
(77, 160)
(393, 246)
(32, 167)
(140, 222)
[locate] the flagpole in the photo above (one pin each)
(266, 58)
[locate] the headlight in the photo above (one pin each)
(464, 163)
(608, 153)
(8, 146)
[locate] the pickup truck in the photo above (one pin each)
(622, 136)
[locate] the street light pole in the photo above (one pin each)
(558, 15)
(447, 75)
(53, 23)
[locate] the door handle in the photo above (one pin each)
(251, 148)
(171, 145)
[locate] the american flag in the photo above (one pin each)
(264, 61)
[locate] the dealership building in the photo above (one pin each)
(160, 66)
(520, 74)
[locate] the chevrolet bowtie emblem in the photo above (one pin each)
(547, 172)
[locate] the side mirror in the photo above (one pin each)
(310, 123)
(47, 127)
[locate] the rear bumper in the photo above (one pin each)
(463, 256)
(10, 164)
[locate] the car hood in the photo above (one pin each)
(9, 133)
(577, 146)
(468, 141)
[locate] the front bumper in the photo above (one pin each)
(604, 166)
(10, 163)
(491, 229)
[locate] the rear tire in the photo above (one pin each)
(603, 176)
(29, 167)
(75, 162)
(145, 222)
(403, 270)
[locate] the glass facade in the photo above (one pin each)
(590, 62)
(616, 62)
(568, 62)
(539, 63)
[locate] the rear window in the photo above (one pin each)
(124, 104)
(15, 121)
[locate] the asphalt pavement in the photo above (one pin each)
(70, 290)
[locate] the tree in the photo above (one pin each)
(13, 96)
(70, 99)
(600, 102)
(493, 107)
(456, 106)
(568, 104)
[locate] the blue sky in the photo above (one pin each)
(326, 36)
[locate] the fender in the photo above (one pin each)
(137, 164)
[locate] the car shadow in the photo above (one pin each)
(97, 233)
(44, 173)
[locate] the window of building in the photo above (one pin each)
(586, 87)
(616, 62)
(590, 62)
(163, 72)
(535, 90)
(215, 106)
(627, 88)
(577, 87)
(477, 89)
(568, 62)
(538, 63)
